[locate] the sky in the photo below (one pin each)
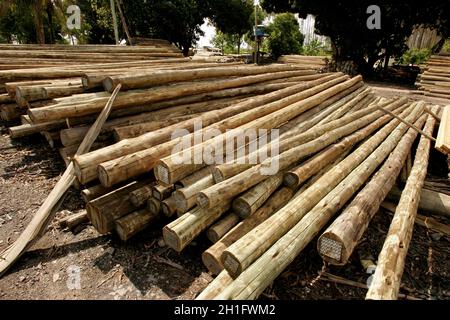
(209, 31)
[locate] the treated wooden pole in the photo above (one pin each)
(86, 166)
(233, 186)
(221, 227)
(212, 257)
(386, 281)
(242, 253)
(179, 233)
(337, 243)
(268, 266)
(133, 223)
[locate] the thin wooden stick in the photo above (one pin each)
(409, 124)
(45, 213)
(434, 115)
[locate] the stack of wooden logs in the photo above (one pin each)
(299, 147)
(434, 81)
(317, 62)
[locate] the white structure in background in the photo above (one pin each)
(308, 30)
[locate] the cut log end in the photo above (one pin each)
(231, 264)
(242, 208)
(212, 263)
(291, 180)
(108, 84)
(154, 205)
(171, 239)
(103, 177)
(202, 200)
(331, 249)
(162, 173)
(217, 175)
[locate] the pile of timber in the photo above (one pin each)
(337, 145)
(434, 81)
(315, 62)
(35, 56)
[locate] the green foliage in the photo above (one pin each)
(284, 35)
(314, 48)
(17, 22)
(178, 21)
(446, 47)
(345, 21)
(225, 42)
(415, 56)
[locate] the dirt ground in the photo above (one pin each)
(86, 265)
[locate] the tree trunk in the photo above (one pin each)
(39, 21)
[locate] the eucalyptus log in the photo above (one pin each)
(251, 200)
(185, 198)
(179, 233)
(212, 257)
(244, 252)
(86, 167)
(158, 77)
(168, 170)
(140, 196)
(215, 286)
(169, 207)
(337, 243)
(29, 129)
(264, 270)
(391, 260)
(154, 205)
(233, 186)
(143, 161)
(221, 227)
(146, 96)
(162, 192)
(74, 220)
(300, 174)
(133, 223)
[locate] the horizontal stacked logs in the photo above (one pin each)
(434, 81)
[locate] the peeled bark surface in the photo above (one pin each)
(244, 252)
(386, 281)
(337, 243)
(168, 170)
(212, 257)
(86, 166)
(252, 282)
(179, 233)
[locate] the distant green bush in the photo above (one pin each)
(284, 35)
(415, 56)
(315, 48)
(446, 47)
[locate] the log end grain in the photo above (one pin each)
(331, 249)
(202, 200)
(291, 180)
(212, 262)
(217, 175)
(171, 239)
(241, 208)
(162, 172)
(154, 205)
(231, 264)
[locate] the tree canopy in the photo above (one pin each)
(345, 22)
(233, 17)
(284, 35)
